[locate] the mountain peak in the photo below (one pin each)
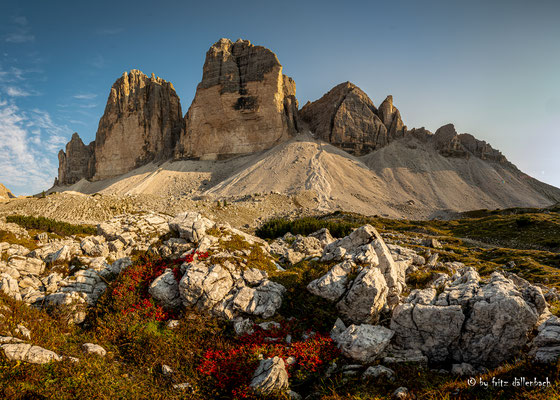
(346, 117)
(243, 104)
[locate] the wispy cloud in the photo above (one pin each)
(91, 105)
(16, 92)
(75, 121)
(18, 37)
(21, 31)
(56, 135)
(85, 96)
(28, 144)
(11, 74)
(21, 20)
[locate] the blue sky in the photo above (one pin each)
(490, 67)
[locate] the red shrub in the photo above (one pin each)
(231, 370)
(130, 292)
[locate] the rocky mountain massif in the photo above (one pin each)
(243, 132)
(243, 104)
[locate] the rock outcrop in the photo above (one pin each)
(451, 144)
(347, 118)
(226, 292)
(142, 122)
(366, 282)
(364, 343)
(243, 104)
(546, 345)
(470, 321)
(77, 162)
(5, 193)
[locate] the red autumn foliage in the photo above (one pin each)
(131, 290)
(231, 370)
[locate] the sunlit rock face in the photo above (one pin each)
(243, 104)
(347, 118)
(142, 122)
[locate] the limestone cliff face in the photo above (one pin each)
(142, 122)
(76, 163)
(347, 118)
(243, 104)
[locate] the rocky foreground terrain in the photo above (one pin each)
(150, 305)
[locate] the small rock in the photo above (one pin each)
(378, 371)
(166, 370)
(463, 369)
(269, 325)
(270, 376)
(173, 324)
(243, 326)
(91, 348)
(293, 395)
(182, 386)
(23, 331)
(401, 393)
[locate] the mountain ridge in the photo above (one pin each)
(245, 111)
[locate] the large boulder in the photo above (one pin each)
(190, 226)
(366, 298)
(366, 282)
(262, 300)
(545, 347)
(224, 290)
(165, 289)
(334, 283)
(364, 343)
(29, 353)
(479, 323)
(435, 330)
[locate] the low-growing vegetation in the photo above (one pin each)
(11, 238)
(51, 225)
(214, 363)
(304, 226)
